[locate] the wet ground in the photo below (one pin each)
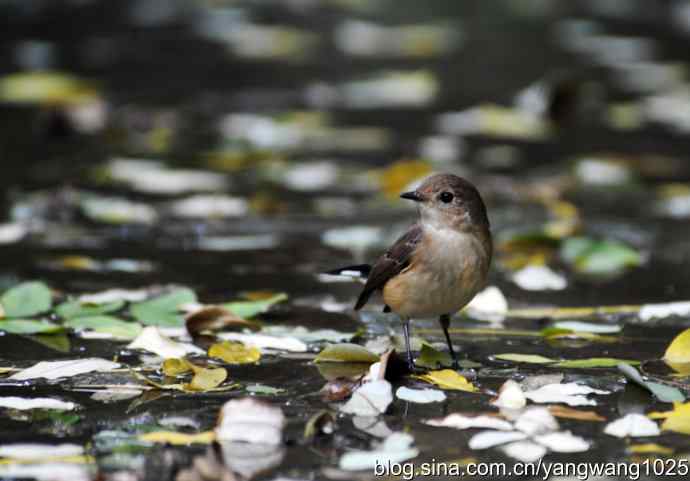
(310, 162)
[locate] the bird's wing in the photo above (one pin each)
(391, 263)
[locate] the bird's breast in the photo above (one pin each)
(444, 275)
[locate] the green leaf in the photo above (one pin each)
(249, 309)
(28, 326)
(527, 358)
(594, 362)
(663, 392)
(105, 324)
(57, 342)
(162, 310)
(590, 256)
(433, 359)
(346, 353)
(70, 309)
(26, 299)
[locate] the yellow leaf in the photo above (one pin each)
(677, 420)
(448, 379)
(172, 437)
(682, 368)
(2, 312)
(649, 448)
(205, 379)
(234, 352)
(399, 175)
(679, 349)
(175, 367)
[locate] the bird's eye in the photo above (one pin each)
(446, 197)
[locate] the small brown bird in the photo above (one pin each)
(440, 263)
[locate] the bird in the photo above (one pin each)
(441, 261)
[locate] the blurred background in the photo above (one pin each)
(251, 144)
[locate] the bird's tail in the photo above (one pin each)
(360, 271)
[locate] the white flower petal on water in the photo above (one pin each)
(539, 278)
(265, 342)
(355, 238)
(311, 176)
(572, 394)
(58, 369)
(396, 448)
(525, 451)
(632, 425)
(154, 177)
(115, 395)
(460, 421)
(563, 442)
(489, 439)
(422, 396)
(39, 451)
(536, 420)
(373, 425)
(112, 295)
(656, 311)
(12, 232)
(510, 396)
(370, 399)
(250, 420)
(308, 336)
(489, 304)
(47, 472)
(23, 403)
(580, 326)
(210, 206)
(152, 340)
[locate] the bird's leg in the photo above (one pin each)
(445, 322)
(406, 333)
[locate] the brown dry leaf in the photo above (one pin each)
(234, 352)
(339, 389)
(213, 318)
(570, 413)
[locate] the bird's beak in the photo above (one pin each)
(414, 195)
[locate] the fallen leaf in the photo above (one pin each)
(677, 420)
(432, 358)
(526, 358)
(323, 422)
(178, 439)
(213, 318)
(400, 175)
(174, 367)
(163, 310)
(572, 394)
(339, 388)
(234, 353)
(26, 299)
(370, 399)
(29, 326)
(460, 421)
(112, 326)
(593, 362)
(598, 257)
(249, 309)
(679, 349)
(663, 392)
(422, 396)
(71, 309)
(58, 369)
(206, 379)
(568, 413)
(251, 421)
(22, 403)
(396, 448)
(649, 448)
(346, 353)
(150, 339)
(632, 425)
(448, 379)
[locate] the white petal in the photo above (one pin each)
(150, 339)
(23, 403)
(632, 425)
(251, 421)
(510, 396)
(370, 399)
(459, 421)
(265, 342)
(396, 448)
(536, 420)
(572, 394)
(652, 311)
(525, 451)
(489, 304)
(420, 395)
(58, 369)
(39, 451)
(563, 442)
(539, 278)
(488, 439)
(588, 327)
